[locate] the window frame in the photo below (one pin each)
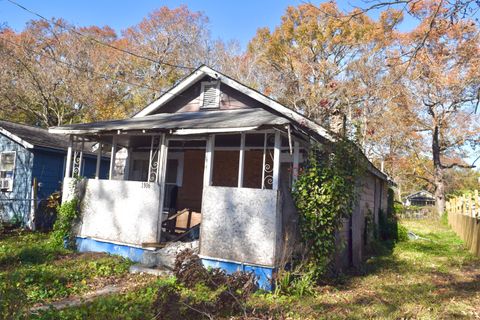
(12, 179)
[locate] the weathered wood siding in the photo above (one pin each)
(189, 100)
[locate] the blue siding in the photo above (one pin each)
(49, 169)
(16, 204)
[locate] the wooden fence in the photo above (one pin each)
(464, 218)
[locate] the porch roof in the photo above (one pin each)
(244, 119)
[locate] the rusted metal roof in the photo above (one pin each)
(207, 120)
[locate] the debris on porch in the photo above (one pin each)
(166, 256)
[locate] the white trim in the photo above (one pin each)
(217, 94)
(99, 160)
(12, 178)
(15, 138)
(276, 161)
(172, 93)
(68, 165)
(113, 157)
(182, 132)
(209, 153)
(241, 160)
(161, 174)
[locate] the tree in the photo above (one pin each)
(444, 83)
(314, 56)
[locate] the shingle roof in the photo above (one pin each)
(36, 136)
(186, 120)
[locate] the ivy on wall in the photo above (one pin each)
(325, 194)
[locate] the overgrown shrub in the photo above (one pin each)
(12, 300)
(203, 292)
(402, 233)
(325, 194)
(67, 215)
(297, 284)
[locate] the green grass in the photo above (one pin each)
(34, 271)
(423, 279)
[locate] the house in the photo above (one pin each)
(32, 166)
(420, 198)
(217, 149)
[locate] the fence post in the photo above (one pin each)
(475, 194)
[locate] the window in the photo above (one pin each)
(7, 168)
(210, 97)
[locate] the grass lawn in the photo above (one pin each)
(33, 272)
(421, 279)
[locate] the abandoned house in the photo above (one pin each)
(420, 198)
(211, 159)
(32, 165)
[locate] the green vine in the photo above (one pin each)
(67, 215)
(325, 194)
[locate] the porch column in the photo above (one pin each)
(276, 161)
(112, 157)
(160, 179)
(99, 161)
(68, 165)
(241, 160)
(209, 152)
(296, 160)
(80, 158)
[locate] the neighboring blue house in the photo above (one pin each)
(28, 153)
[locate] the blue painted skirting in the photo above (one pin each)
(89, 245)
(263, 274)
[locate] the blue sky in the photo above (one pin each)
(229, 19)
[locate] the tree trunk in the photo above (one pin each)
(438, 179)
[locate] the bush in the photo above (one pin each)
(297, 284)
(324, 195)
(203, 292)
(67, 215)
(402, 234)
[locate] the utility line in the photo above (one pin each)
(99, 41)
(100, 75)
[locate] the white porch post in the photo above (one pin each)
(112, 157)
(241, 160)
(99, 161)
(296, 160)
(276, 161)
(80, 159)
(209, 152)
(68, 165)
(160, 179)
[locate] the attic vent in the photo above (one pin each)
(210, 97)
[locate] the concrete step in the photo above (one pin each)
(159, 271)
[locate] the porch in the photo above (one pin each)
(229, 183)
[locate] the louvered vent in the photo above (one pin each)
(210, 95)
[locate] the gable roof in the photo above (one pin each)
(270, 103)
(30, 136)
(421, 193)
